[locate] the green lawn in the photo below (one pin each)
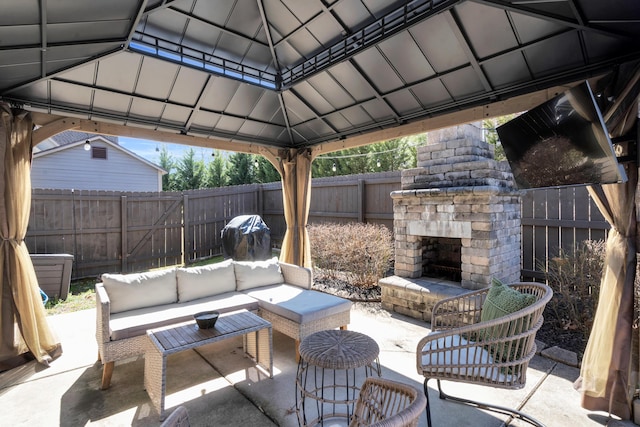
(82, 294)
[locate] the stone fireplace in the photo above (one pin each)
(456, 220)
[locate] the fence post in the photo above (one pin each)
(260, 201)
(361, 200)
(186, 240)
(123, 235)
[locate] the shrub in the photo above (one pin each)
(575, 280)
(363, 252)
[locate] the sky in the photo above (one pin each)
(150, 150)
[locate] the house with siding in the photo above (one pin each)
(83, 161)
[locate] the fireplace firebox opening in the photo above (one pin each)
(441, 258)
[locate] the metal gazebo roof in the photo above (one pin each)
(295, 74)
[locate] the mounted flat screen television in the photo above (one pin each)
(561, 142)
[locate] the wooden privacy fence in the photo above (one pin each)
(554, 219)
(126, 232)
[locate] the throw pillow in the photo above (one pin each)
(139, 290)
(501, 301)
(252, 274)
(205, 281)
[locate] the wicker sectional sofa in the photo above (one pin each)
(130, 304)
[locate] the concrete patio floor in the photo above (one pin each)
(221, 387)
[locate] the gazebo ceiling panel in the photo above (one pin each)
(473, 18)
(406, 57)
(175, 114)
(281, 19)
(27, 34)
(559, 53)
(112, 103)
(188, 86)
(357, 116)
(68, 96)
(230, 125)
(379, 110)
(146, 110)
(205, 120)
(436, 39)
(297, 111)
(154, 80)
(267, 109)
(331, 89)
(244, 100)
(299, 73)
(431, 93)
(462, 83)
(352, 81)
(220, 94)
(318, 102)
(338, 121)
(378, 71)
(514, 62)
(251, 128)
(84, 75)
(351, 13)
(403, 102)
(530, 29)
(325, 29)
(111, 75)
(289, 51)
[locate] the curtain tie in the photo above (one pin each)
(16, 241)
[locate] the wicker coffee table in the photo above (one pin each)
(333, 365)
(185, 336)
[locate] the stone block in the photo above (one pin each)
(443, 154)
(561, 355)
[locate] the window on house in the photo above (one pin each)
(98, 152)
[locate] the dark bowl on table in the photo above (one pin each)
(206, 319)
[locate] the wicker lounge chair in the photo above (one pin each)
(494, 353)
(386, 403)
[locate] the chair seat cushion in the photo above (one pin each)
(297, 304)
(455, 355)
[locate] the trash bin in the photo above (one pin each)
(246, 238)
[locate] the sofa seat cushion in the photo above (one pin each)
(205, 281)
(136, 322)
(297, 304)
(138, 290)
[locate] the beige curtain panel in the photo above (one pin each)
(24, 325)
(295, 168)
(607, 378)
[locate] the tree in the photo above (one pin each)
(240, 169)
(167, 163)
(395, 154)
(216, 173)
(491, 135)
(189, 172)
(264, 172)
